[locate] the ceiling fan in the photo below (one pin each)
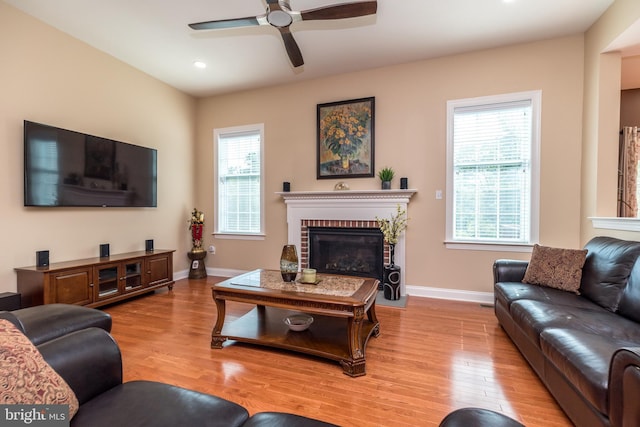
(280, 16)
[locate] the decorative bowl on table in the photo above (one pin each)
(298, 322)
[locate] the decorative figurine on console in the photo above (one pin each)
(197, 253)
(392, 229)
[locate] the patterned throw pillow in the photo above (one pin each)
(25, 377)
(556, 268)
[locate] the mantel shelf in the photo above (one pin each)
(348, 194)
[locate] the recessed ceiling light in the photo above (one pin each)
(508, 1)
(199, 64)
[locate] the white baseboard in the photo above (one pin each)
(450, 294)
(182, 274)
(414, 291)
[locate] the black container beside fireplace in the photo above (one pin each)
(352, 251)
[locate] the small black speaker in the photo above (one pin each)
(404, 183)
(286, 186)
(104, 250)
(42, 258)
(148, 245)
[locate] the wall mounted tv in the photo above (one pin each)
(68, 168)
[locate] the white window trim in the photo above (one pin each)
(239, 129)
(536, 104)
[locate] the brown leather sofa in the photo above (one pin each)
(585, 348)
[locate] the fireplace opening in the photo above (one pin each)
(351, 251)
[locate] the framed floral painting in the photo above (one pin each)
(346, 139)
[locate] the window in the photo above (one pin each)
(239, 208)
(492, 171)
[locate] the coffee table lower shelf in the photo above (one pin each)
(327, 337)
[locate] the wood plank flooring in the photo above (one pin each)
(432, 357)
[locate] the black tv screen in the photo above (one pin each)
(68, 168)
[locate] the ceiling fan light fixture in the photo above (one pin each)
(279, 18)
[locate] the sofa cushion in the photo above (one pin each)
(534, 317)
(584, 359)
(607, 269)
(555, 268)
(25, 377)
(43, 323)
(148, 403)
(508, 292)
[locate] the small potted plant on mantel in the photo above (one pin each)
(386, 175)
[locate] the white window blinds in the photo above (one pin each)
(491, 150)
(239, 167)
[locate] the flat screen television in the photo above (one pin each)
(68, 168)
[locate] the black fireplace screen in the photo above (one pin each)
(351, 251)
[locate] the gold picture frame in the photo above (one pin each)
(345, 139)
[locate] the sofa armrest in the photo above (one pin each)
(89, 360)
(509, 270)
(8, 315)
(42, 323)
(624, 387)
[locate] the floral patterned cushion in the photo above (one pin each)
(556, 268)
(25, 377)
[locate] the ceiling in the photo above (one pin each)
(153, 35)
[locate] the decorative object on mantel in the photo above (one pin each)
(345, 137)
(404, 183)
(386, 175)
(197, 253)
(391, 230)
(289, 263)
(341, 186)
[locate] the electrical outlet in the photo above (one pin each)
(438, 194)
(212, 249)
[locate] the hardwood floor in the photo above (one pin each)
(430, 358)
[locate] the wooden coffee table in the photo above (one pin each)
(343, 308)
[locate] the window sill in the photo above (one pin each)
(230, 236)
(616, 223)
(486, 246)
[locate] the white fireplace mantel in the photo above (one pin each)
(346, 205)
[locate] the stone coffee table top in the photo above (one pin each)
(340, 286)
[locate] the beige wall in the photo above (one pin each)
(49, 77)
(602, 117)
(410, 137)
(630, 72)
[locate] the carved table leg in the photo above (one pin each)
(216, 338)
(355, 365)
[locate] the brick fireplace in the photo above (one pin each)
(343, 209)
(343, 247)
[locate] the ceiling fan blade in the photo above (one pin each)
(226, 23)
(292, 47)
(341, 11)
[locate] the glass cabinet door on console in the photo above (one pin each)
(132, 275)
(118, 278)
(106, 283)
